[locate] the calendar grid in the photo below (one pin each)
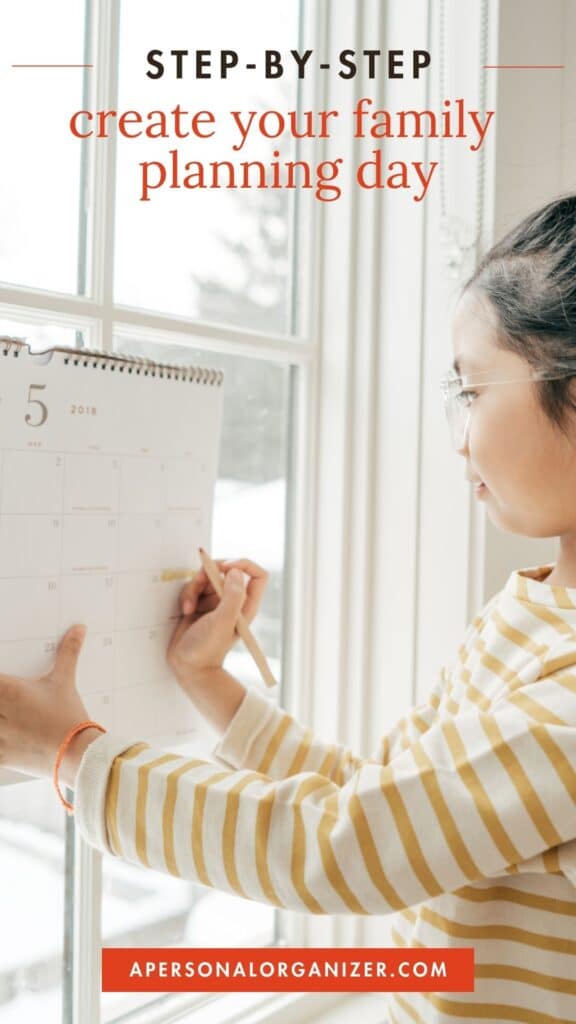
(130, 489)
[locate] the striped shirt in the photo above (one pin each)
(462, 824)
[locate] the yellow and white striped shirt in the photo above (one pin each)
(462, 823)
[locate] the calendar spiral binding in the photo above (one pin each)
(111, 361)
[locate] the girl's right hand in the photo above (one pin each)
(206, 630)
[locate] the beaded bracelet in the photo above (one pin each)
(59, 756)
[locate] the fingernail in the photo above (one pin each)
(236, 578)
(187, 607)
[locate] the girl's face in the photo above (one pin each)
(527, 465)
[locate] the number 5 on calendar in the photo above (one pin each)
(31, 419)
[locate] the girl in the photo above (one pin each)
(463, 821)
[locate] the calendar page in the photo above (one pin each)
(107, 477)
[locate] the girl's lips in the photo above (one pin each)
(479, 485)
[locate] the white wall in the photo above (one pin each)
(535, 159)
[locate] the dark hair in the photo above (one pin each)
(529, 277)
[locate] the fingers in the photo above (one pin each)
(199, 595)
(256, 584)
(207, 604)
(180, 628)
(68, 652)
(191, 592)
(202, 607)
(252, 568)
(200, 585)
(232, 601)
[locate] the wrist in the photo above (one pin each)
(73, 755)
(216, 694)
(194, 678)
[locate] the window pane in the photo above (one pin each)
(32, 829)
(43, 336)
(40, 172)
(220, 255)
(251, 486)
(141, 907)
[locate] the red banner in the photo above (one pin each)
(287, 969)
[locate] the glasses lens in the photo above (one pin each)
(458, 415)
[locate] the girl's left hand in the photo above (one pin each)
(36, 714)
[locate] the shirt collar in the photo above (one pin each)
(529, 585)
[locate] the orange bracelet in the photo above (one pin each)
(62, 750)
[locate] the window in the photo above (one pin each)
(203, 278)
(41, 172)
(32, 860)
(215, 255)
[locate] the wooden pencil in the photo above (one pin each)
(242, 627)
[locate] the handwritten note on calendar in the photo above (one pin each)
(107, 475)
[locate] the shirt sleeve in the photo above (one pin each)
(264, 737)
(475, 795)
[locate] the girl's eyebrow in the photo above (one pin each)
(457, 364)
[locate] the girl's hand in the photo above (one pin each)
(206, 630)
(36, 714)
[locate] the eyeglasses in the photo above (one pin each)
(458, 394)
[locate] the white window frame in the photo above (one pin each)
(368, 531)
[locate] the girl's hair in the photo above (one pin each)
(529, 278)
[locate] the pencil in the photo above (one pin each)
(242, 627)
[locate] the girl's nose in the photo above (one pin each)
(462, 443)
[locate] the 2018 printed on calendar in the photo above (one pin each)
(287, 529)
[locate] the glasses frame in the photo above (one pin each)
(453, 384)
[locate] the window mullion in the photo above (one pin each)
(87, 932)
(107, 34)
(132, 322)
(86, 958)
